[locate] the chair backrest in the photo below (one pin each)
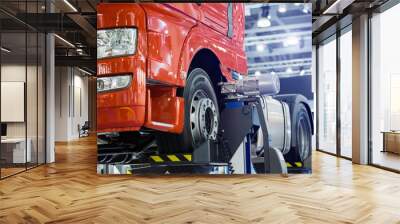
(86, 125)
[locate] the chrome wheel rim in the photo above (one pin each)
(303, 140)
(203, 118)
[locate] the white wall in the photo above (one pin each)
(80, 110)
(33, 126)
(13, 101)
(16, 73)
(62, 82)
(71, 102)
(12, 73)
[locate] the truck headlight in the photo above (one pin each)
(116, 42)
(113, 82)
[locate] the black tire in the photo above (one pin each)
(198, 80)
(301, 128)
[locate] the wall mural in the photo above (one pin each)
(204, 88)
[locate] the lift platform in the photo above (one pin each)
(165, 164)
(213, 156)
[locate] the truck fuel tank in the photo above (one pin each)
(277, 115)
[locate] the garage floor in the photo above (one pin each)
(70, 191)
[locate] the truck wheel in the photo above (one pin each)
(201, 116)
(301, 128)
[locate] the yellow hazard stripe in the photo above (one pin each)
(129, 172)
(188, 157)
(295, 164)
(157, 159)
(173, 158)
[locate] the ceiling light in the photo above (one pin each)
(289, 70)
(333, 6)
(302, 72)
(282, 9)
(257, 73)
(305, 9)
(84, 71)
(297, 4)
(5, 50)
(291, 41)
(260, 47)
(273, 73)
(337, 7)
(263, 22)
(64, 40)
(70, 5)
(247, 12)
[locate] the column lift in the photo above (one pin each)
(241, 116)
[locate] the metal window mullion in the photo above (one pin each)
(317, 96)
(37, 90)
(338, 94)
(72, 94)
(0, 94)
(45, 87)
(69, 93)
(60, 88)
(369, 100)
(45, 95)
(26, 87)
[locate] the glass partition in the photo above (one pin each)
(385, 89)
(327, 96)
(15, 150)
(22, 88)
(346, 93)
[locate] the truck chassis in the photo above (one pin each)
(212, 157)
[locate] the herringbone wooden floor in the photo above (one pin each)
(70, 191)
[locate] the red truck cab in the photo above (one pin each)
(143, 84)
(159, 71)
